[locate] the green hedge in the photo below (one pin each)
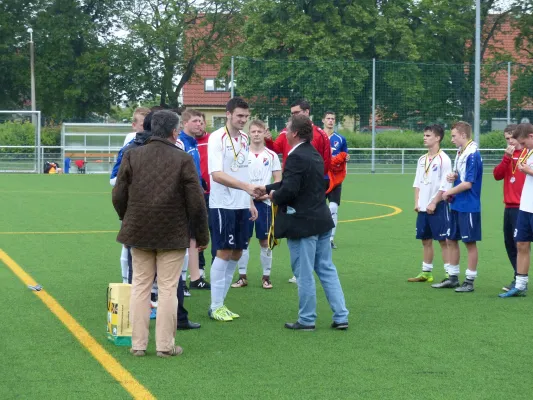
(15, 133)
(409, 139)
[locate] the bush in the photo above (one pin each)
(17, 133)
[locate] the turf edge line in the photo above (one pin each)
(396, 211)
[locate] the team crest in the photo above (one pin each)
(265, 162)
(336, 144)
(435, 167)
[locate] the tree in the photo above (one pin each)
(166, 42)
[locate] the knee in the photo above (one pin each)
(523, 247)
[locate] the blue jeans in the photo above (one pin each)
(314, 254)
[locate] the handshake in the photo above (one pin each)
(258, 192)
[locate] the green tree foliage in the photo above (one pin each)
(167, 40)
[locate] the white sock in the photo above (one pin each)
(427, 267)
(470, 275)
(185, 267)
(124, 264)
(446, 268)
(230, 270)
(454, 270)
(266, 260)
(521, 282)
(334, 208)
(218, 282)
(243, 262)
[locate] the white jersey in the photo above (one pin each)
(432, 181)
(229, 155)
(129, 137)
(261, 166)
(526, 200)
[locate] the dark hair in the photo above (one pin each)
(163, 123)
(523, 131)
(236, 102)
(437, 130)
(510, 128)
(463, 127)
(302, 125)
(328, 113)
(147, 124)
(304, 104)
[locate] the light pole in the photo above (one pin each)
(32, 71)
(477, 73)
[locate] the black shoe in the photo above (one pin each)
(200, 283)
(333, 245)
(341, 326)
(186, 291)
(300, 327)
(188, 325)
(448, 283)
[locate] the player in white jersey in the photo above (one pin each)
(523, 233)
(432, 211)
(263, 166)
(137, 124)
(230, 202)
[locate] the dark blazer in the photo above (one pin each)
(159, 199)
(302, 190)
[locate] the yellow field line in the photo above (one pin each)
(56, 233)
(396, 211)
(110, 364)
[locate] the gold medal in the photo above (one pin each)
(234, 166)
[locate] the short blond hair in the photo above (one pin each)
(258, 123)
(522, 131)
(464, 128)
(141, 111)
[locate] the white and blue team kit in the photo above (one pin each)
(261, 166)
(524, 223)
(229, 209)
(465, 218)
(338, 144)
(430, 179)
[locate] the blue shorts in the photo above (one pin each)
(524, 227)
(465, 226)
(262, 223)
(433, 226)
(229, 228)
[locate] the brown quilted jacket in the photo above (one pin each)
(159, 199)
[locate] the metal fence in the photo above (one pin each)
(404, 161)
(20, 141)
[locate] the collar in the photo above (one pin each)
(186, 138)
(294, 148)
(161, 140)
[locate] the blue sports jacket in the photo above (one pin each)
(191, 147)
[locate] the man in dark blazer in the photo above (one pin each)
(305, 220)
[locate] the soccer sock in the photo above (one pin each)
(446, 268)
(185, 267)
(243, 262)
(124, 264)
(521, 281)
(266, 260)
(218, 282)
(333, 208)
(427, 267)
(470, 275)
(230, 270)
(454, 270)
(155, 289)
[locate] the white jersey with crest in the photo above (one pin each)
(261, 166)
(434, 180)
(221, 154)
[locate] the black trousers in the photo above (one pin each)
(213, 249)
(510, 216)
(183, 314)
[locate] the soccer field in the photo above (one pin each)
(406, 340)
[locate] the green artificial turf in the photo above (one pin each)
(405, 341)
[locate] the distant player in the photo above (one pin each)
(339, 155)
(465, 216)
(230, 202)
(513, 183)
(263, 166)
(432, 211)
(523, 233)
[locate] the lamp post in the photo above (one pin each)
(32, 71)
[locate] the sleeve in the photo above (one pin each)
(344, 145)
(277, 146)
(116, 167)
(276, 164)
(120, 191)
(194, 202)
(325, 151)
(215, 161)
(293, 174)
(501, 168)
(471, 168)
(416, 183)
(446, 168)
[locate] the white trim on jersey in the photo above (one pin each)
(435, 181)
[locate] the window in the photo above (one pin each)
(215, 85)
(218, 122)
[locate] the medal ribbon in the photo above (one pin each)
(526, 157)
(459, 152)
(520, 160)
(235, 154)
(428, 162)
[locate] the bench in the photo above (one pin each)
(97, 158)
(91, 155)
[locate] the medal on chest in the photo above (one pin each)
(427, 167)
